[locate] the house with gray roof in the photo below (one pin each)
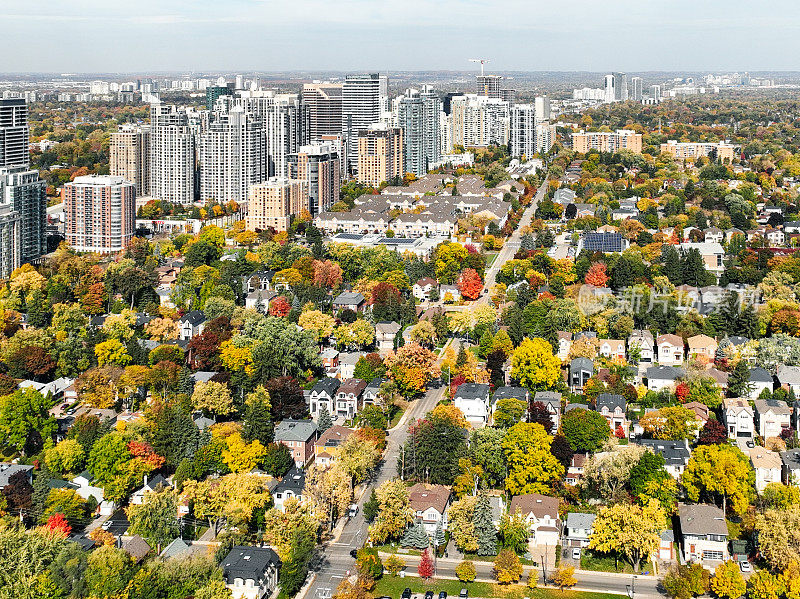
(789, 377)
(177, 549)
(323, 395)
(612, 407)
(580, 371)
(772, 417)
(7, 470)
(290, 486)
(578, 529)
(676, 454)
(790, 469)
(299, 436)
(473, 400)
(349, 300)
(760, 379)
(551, 401)
(703, 534)
(663, 377)
(251, 572)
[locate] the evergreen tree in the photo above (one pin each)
(461, 359)
(694, 270)
(739, 380)
(258, 423)
(527, 242)
(371, 507)
(41, 489)
(484, 528)
(485, 345)
(516, 325)
(438, 536)
(324, 422)
(747, 323)
(671, 265)
(416, 537)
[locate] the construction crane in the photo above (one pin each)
(483, 61)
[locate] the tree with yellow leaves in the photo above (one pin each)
(232, 498)
(329, 489)
(318, 323)
(241, 456)
(213, 397)
(162, 329)
(111, 352)
(629, 531)
(534, 365)
(236, 358)
(394, 512)
(120, 326)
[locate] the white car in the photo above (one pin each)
(576, 553)
(745, 566)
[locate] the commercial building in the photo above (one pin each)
(25, 193)
(364, 98)
(479, 121)
(380, 154)
(14, 132)
(99, 213)
(129, 147)
(9, 240)
(319, 166)
(322, 102)
(172, 155)
(692, 150)
(418, 116)
(232, 156)
(607, 141)
(275, 202)
(616, 87)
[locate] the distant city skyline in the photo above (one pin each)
(266, 35)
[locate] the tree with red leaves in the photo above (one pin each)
(597, 275)
(425, 568)
(470, 284)
(32, 362)
(456, 382)
(619, 433)
(327, 274)
(537, 412)
(712, 433)
(286, 397)
(279, 307)
(384, 294)
(58, 524)
(204, 351)
(682, 391)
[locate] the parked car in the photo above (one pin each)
(745, 566)
(353, 510)
(576, 553)
(406, 593)
(428, 594)
(463, 594)
(442, 594)
(354, 553)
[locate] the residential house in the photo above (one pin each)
(760, 379)
(150, 484)
(449, 294)
(136, 547)
(541, 514)
(702, 348)
(347, 364)
(422, 289)
(767, 466)
(580, 371)
(299, 436)
(385, 333)
(613, 349)
(790, 467)
(666, 546)
(703, 533)
(663, 377)
(773, 416)
(258, 281)
(579, 529)
(259, 300)
(643, 339)
(291, 486)
(473, 400)
(86, 488)
(7, 470)
(251, 572)
(552, 401)
(711, 253)
(713, 235)
(430, 503)
(564, 345)
(738, 417)
(518, 393)
(575, 470)
(670, 350)
(322, 395)
(789, 378)
(676, 454)
(612, 407)
(372, 390)
(330, 360)
(327, 446)
(349, 397)
(191, 324)
(700, 410)
(349, 300)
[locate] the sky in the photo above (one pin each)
(84, 36)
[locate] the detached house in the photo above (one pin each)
(643, 339)
(580, 371)
(518, 393)
(703, 533)
(473, 400)
(385, 333)
(702, 347)
(191, 324)
(663, 377)
(323, 395)
(326, 449)
(430, 503)
(349, 397)
(760, 379)
(670, 350)
(552, 401)
(612, 407)
(738, 417)
(767, 466)
(422, 289)
(790, 467)
(612, 348)
(349, 300)
(251, 572)
(290, 486)
(564, 345)
(541, 514)
(772, 417)
(299, 437)
(676, 454)
(789, 378)
(579, 529)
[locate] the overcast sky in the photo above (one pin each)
(271, 35)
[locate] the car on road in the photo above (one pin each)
(463, 594)
(576, 553)
(428, 594)
(353, 510)
(745, 566)
(354, 553)
(107, 524)
(406, 593)
(442, 594)
(750, 444)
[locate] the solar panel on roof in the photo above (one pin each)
(603, 242)
(350, 236)
(396, 241)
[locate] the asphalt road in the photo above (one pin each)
(334, 561)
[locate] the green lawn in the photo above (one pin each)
(605, 563)
(393, 586)
(490, 258)
(398, 414)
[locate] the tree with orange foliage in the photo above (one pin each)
(425, 568)
(58, 524)
(597, 275)
(470, 284)
(411, 368)
(279, 307)
(327, 274)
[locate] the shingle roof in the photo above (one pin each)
(536, 504)
(422, 496)
(327, 385)
(675, 453)
(510, 393)
(611, 401)
(295, 430)
(580, 520)
(472, 391)
(248, 562)
(664, 373)
(702, 519)
(136, 547)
